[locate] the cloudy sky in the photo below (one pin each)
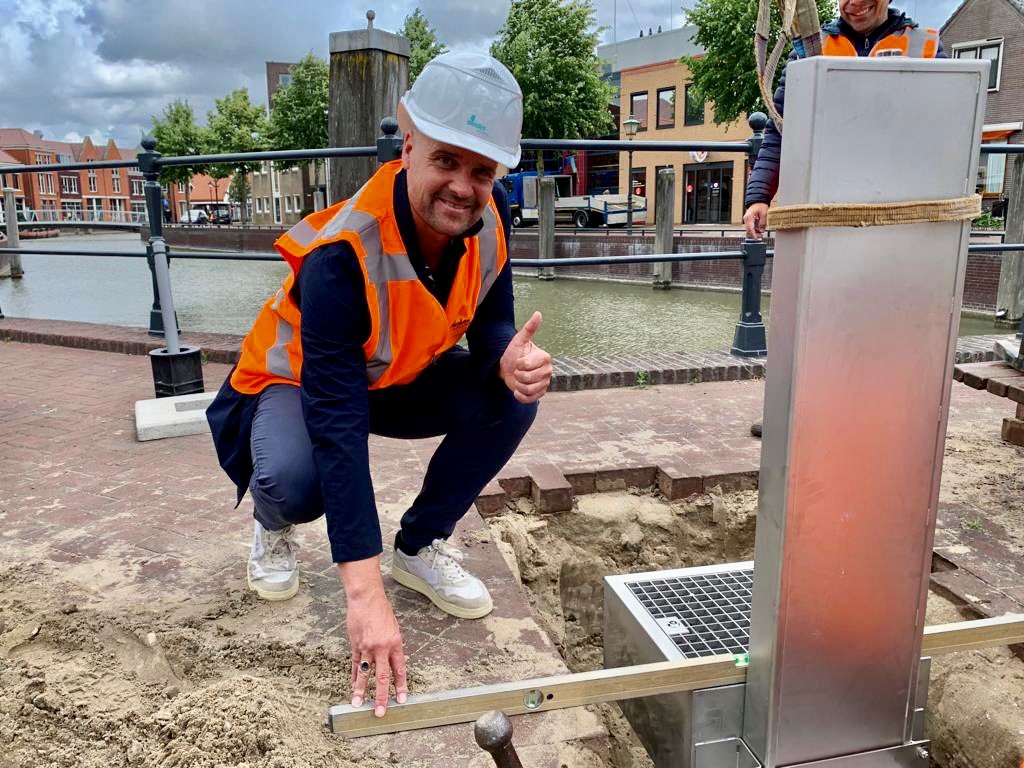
(102, 68)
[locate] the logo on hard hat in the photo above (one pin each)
(472, 123)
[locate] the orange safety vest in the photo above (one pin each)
(408, 327)
(912, 42)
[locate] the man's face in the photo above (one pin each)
(448, 186)
(864, 15)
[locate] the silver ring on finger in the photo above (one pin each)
(364, 666)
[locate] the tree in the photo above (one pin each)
(298, 119)
(726, 74)
(239, 191)
(236, 125)
(424, 42)
(549, 46)
(177, 134)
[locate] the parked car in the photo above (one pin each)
(221, 217)
(195, 216)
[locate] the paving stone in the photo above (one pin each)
(677, 480)
(551, 491)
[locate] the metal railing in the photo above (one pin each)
(749, 338)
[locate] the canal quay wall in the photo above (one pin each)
(570, 373)
(980, 286)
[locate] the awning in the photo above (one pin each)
(995, 135)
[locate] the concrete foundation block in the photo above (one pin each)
(172, 416)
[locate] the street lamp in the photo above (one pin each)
(630, 125)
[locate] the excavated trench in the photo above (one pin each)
(976, 706)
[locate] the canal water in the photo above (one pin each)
(581, 317)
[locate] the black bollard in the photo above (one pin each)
(493, 732)
(749, 340)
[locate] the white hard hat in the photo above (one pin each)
(469, 100)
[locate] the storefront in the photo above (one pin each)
(707, 195)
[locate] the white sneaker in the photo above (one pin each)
(273, 573)
(436, 571)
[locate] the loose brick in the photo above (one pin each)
(679, 480)
(1013, 431)
(515, 484)
(491, 500)
(583, 481)
(551, 491)
(742, 480)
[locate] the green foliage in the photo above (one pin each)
(549, 46)
(727, 73)
(177, 134)
(239, 190)
(424, 42)
(236, 125)
(299, 117)
(988, 221)
(642, 379)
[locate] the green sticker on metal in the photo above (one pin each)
(742, 659)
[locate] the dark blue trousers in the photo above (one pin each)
(481, 421)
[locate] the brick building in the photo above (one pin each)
(655, 88)
(993, 30)
(11, 181)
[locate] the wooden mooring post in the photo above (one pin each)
(1010, 295)
(10, 263)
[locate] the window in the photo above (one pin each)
(45, 183)
(42, 159)
(137, 187)
(991, 172)
(297, 203)
(115, 180)
(71, 210)
(117, 210)
(92, 180)
(138, 212)
(693, 108)
(287, 203)
(181, 188)
(284, 79)
(638, 108)
(69, 185)
(990, 50)
(10, 180)
(666, 108)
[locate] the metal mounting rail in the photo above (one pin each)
(576, 689)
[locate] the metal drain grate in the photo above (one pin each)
(704, 614)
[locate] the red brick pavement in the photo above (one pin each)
(77, 489)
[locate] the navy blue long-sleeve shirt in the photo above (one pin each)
(764, 178)
(335, 401)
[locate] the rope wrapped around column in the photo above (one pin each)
(873, 214)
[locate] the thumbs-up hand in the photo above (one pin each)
(524, 367)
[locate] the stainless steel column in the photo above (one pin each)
(862, 338)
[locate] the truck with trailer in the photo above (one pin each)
(604, 210)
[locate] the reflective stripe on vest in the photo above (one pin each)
(912, 42)
(278, 363)
(272, 351)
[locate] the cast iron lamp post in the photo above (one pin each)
(630, 125)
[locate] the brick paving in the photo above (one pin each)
(570, 373)
(76, 487)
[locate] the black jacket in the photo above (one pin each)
(764, 179)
